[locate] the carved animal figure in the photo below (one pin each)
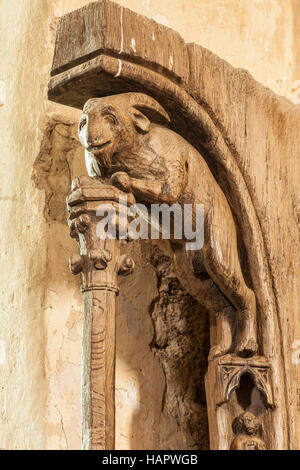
(127, 139)
(247, 429)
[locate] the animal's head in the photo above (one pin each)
(110, 125)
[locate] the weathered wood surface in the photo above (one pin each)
(251, 142)
(98, 370)
(132, 36)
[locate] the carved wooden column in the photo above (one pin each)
(252, 392)
(100, 264)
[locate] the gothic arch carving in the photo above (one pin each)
(114, 67)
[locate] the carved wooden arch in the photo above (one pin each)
(114, 66)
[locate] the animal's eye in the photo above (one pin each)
(111, 119)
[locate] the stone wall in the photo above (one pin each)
(162, 334)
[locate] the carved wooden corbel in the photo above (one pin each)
(223, 380)
(247, 430)
(93, 61)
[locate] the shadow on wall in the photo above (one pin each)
(169, 355)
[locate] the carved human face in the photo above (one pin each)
(104, 131)
(246, 423)
(250, 422)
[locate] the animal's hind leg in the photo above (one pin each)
(227, 274)
(193, 277)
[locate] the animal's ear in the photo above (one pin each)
(140, 121)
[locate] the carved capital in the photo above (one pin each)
(99, 261)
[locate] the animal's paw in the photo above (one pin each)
(122, 181)
(247, 347)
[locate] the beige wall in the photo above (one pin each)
(40, 305)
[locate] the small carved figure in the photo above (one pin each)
(127, 140)
(247, 430)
